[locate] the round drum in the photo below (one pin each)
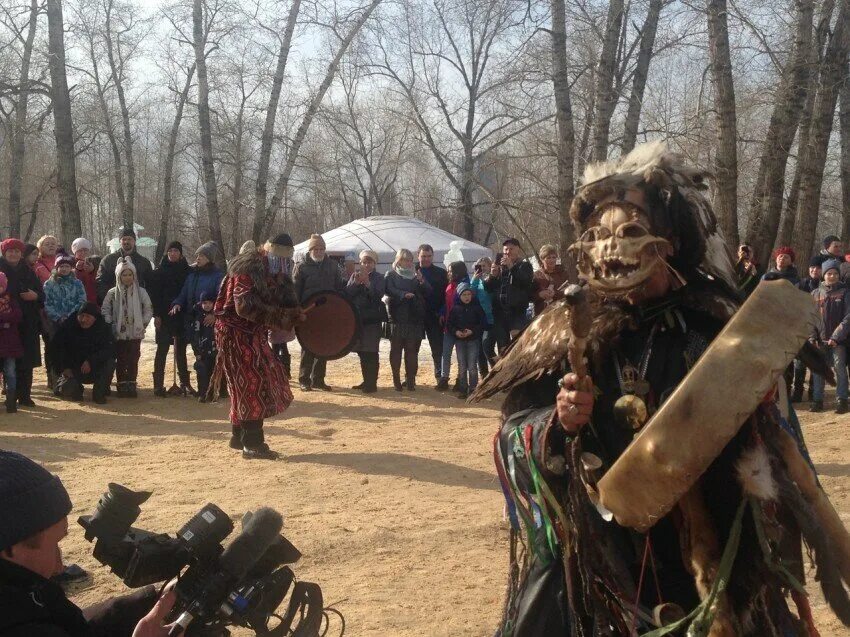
(332, 326)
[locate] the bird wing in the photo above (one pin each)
(540, 349)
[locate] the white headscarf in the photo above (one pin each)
(130, 297)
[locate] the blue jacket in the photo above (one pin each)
(200, 280)
(484, 299)
(63, 295)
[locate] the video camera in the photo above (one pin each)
(241, 585)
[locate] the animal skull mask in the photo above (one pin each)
(618, 253)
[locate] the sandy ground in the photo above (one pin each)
(392, 497)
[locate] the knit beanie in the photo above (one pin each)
(175, 245)
(316, 241)
(208, 250)
(80, 243)
(31, 499)
(463, 287)
(369, 254)
(829, 240)
(13, 244)
(280, 246)
(126, 232)
(817, 260)
(785, 250)
(65, 260)
(89, 308)
(831, 264)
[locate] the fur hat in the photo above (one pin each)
(65, 260)
(207, 249)
(280, 246)
(81, 243)
(316, 242)
(13, 244)
(785, 250)
(369, 254)
(31, 498)
(831, 264)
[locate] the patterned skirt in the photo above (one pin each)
(256, 379)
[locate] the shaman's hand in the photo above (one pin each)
(573, 405)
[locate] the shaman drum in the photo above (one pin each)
(332, 326)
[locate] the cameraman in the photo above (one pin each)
(34, 506)
(511, 283)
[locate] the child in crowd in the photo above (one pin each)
(11, 346)
(458, 274)
(64, 294)
(465, 323)
(832, 332)
(128, 309)
(203, 342)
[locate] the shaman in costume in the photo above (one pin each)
(725, 554)
(256, 296)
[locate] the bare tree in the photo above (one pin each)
(264, 218)
(766, 206)
(814, 157)
(726, 155)
(71, 219)
(566, 129)
(606, 96)
(199, 41)
(168, 168)
(18, 128)
(641, 73)
(844, 124)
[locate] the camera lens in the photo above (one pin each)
(206, 530)
(116, 511)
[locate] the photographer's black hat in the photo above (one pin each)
(31, 499)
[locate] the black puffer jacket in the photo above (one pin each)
(72, 345)
(165, 284)
(32, 606)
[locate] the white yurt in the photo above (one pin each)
(386, 235)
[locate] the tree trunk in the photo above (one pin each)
(63, 130)
(117, 69)
(814, 159)
(766, 206)
(726, 156)
(271, 112)
(566, 129)
(238, 170)
(844, 124)
(606, 96)
(264, 219)
(210, 189)
(168, 170)
(647, 42)
(18, 133)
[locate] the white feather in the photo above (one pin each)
(755, 475)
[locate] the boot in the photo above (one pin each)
(397, 380)
(158, 386)
(235, 437)
(410, 383)
(255, 447)
(121, 390)
(817, 406)
(842, 407)
(364, 372)
(12, 401)
(442, 384)
(797, 395)
(132, 390)
(188, 390)
(370, 383)
(24, 391)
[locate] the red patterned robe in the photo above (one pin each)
(249, 304)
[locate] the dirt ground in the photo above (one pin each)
(392, 497)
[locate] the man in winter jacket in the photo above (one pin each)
(316, 273)
(165, 286)
(81, 352)
(106, 271)
(833, 332)
(512, 285)
(34, 508)
(435, 301)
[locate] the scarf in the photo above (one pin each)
(405, 273)
(127, 321)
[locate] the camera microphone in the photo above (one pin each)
(260, 531)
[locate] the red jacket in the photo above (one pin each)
(88, 279)
(44, 267)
